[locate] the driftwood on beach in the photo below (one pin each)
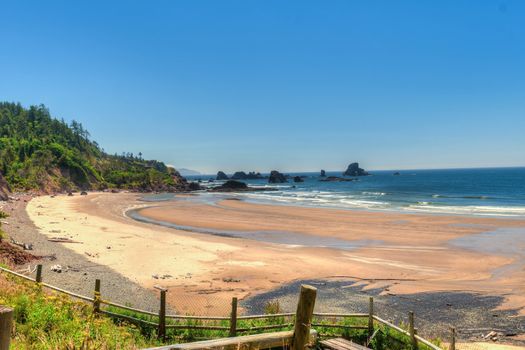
(63, 240)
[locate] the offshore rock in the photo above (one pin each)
(354, 170)
(222, 176)
(298, 179)
(276, 177)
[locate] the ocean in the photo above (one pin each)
(480, 192)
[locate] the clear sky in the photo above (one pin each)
(288, 85)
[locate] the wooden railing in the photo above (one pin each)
(234, 319)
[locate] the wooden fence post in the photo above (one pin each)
(453, 339)
(38, 273)
(370, 318)
(233, 318)
(96, 297)
(411, 329)
(6, 325)
(162, 315)
(303, 317)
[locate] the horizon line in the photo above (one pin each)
(332, 171)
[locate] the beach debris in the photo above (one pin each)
(27, 270)
(56, 268)
(493, 335)
(55, 231)
(161, 277)
(318, 283)
(108, 247)
(25, 246)
(71, 268)
(230, 280)
(62, 240)
(50, 257)
(92, 255)
(5, 223)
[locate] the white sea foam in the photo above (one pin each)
(469, 210)
(348, 201)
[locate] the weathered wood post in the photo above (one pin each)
(453, 339)
(38, 273)
(6, 325)
(162, 315)
(96, 297)
(233, 318)
(412, 330)
(370, 318)
(303, 317)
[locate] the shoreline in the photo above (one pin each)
(206, 270)
(276, 202)
(79, 273)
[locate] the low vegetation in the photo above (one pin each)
(54, 321)
(48, 320)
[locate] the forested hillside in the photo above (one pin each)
(39, 152)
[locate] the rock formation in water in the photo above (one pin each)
(354, 170)
(222, 176)
(298, 179)
(323, 173)
(336, 179)
(238, 186)
(241, 175)
(276, 177)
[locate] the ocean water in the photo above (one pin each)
(483, 192)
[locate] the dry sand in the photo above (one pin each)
(409, 253)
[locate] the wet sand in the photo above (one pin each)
(396, 253)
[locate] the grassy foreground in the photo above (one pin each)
(53, 321)
(49, 320)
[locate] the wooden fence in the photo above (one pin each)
(234, 319)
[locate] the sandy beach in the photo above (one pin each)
(401, 253)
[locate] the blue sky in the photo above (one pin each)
(288, 85)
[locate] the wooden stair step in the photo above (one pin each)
(341, 344)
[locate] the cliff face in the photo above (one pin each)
(4, 189)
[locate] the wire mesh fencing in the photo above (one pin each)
(342, 308)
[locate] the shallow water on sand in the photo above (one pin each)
(290, 239)
(508, 242)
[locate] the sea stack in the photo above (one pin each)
(298, 179)
(276, 177)
(354, 170)
(323, 173)
(222, 176)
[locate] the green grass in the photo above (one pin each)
(47, 320)
(54, 321)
